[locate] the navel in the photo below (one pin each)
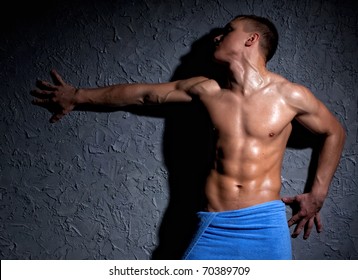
(272, 134)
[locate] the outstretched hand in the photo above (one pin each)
(58, 98)
(307, 214)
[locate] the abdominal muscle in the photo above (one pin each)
(240, 181)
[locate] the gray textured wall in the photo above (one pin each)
(125, 185)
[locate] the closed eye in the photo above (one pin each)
(227, 29)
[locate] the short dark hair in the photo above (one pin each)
(267, 30)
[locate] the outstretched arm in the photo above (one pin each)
(61, 98)
(317, 118)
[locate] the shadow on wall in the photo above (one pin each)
(188, 146)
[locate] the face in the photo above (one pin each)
(231, 42)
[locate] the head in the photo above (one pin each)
(250, 31)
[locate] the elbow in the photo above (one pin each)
(143, 100)
(340, 135)
(152, 98)
(343, 135)
(148, 99)
(336, 136)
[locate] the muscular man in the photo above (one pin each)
(245, 217)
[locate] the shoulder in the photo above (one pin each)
(297, 96)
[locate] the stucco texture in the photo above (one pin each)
(126, 184)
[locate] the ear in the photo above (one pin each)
(254, 37)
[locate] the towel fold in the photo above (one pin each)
(258, 232)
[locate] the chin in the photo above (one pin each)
(219, 59)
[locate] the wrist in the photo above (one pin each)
(319, 195)
(79, 97)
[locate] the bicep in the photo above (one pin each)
(177, 91)
(162, 93)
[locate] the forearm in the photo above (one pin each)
(328, 161)
(113, 96)
(132, 94)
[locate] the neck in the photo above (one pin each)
(247, 76)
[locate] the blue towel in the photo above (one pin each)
(258, 232)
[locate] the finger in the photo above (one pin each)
(45, 85)
(288, 200)
(59, 115)
(300, 226)
(294, 220)
(56, 117)
(41, 93)
(319, 225)
(57, 79)
(48, 105)
(41, 102)
(308, 228)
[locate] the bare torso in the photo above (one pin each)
(252, 133)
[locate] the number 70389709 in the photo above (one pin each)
(230, 270)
